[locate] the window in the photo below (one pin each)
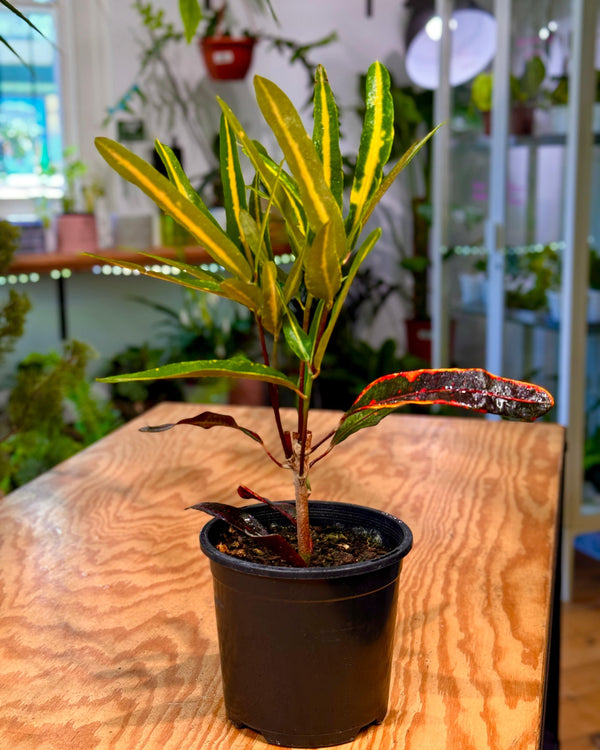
(31, 142)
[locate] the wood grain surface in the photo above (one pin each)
(107, 632)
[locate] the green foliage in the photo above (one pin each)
(40, 432)
(529, 276)
(15, 309)
(524, 89)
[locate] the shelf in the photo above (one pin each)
(45, 263)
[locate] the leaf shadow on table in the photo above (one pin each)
(189, 687)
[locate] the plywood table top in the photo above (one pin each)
(107, 630)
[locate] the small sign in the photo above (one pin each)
(131, 130)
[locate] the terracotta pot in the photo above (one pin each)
(227, 57)
(306, 652)
(76, 233)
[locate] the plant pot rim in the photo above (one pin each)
(335, 513)
(228, 40)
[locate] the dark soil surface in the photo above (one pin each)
(331, 546)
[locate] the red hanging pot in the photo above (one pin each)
(227, 57)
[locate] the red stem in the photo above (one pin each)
(273, 394)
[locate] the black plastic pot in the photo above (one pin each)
(306, 652)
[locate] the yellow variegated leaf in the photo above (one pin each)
(281, 199)
(404, 160)
(218, 245)
(192, 277)
(375, 145)
(300, 153)
(179, 178)
(271, 308)
(326, 135)
(242, 292)
(234, 188)
(323, 274)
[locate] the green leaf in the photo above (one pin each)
(235, 367)
(179, 178)
(326, 135)
(300, 153)
(23, 17)
(191, 15)
(134, 169)
(234, 188)
(297, 339)
(375, 144)
(323, 275)
(357, 260)
(474, 389)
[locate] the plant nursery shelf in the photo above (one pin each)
(107, 623)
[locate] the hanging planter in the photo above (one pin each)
(227, 58)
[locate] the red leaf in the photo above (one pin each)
(474, 389)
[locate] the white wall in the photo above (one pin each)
(99, 53)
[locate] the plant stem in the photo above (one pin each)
(301, 487)
(273, 394)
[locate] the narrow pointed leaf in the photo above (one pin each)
(236, 517)
(282, 201)
(375, 144)
(298, 340)
(323, 274)
(300, 153)
(169, 199)
(271, 307)
(206, 420)
(474, 389)
(295, 276)
(180, 180)
(326, 135)
(251, 527)
(257, 215)
(191, 15)
(234, 188)
(286, 186)
(359, 257)
(194, 278)
(287, 510)
(235, 367)
(387, 182)
(242, 292)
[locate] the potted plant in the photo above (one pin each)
(76, 228)
(525, 92)
(553, 293)
(305, 644)
(227, 56)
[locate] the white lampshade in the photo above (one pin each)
(473, 45)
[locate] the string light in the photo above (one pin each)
(109, 270)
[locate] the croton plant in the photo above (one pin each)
(299, 304)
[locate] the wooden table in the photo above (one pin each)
(107, 632)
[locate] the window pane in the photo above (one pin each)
(30, 118)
